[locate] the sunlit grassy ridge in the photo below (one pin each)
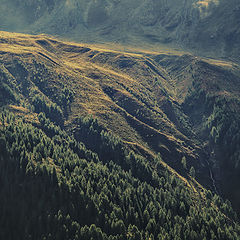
(88, 71)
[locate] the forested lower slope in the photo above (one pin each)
(105, 144)
(54, 188)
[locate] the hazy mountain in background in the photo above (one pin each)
(209, 27)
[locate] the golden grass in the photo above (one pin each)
(20, 111)
(206, 3)
(89, 97)
(130, 50)
(219, 63)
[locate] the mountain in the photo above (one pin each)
(197, 26)
(116, 143)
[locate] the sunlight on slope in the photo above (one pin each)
(205, 6)
(130, 91)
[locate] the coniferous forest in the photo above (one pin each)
(105, 145)
(53, 187)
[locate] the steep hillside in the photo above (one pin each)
(105, 144)
(212, 104)
(170, 103)
(128, 93)
(53, 187)
(199, 26)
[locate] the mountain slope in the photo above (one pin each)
(126, 108)
(150, 100)
(199, 26)
(212, 104)
(65, 191)
(104, 84)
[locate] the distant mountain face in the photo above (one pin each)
(209, 26)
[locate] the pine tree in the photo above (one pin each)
(192, 172)
(184, 162)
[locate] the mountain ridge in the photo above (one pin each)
(197, 26)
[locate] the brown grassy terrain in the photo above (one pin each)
(123, 90)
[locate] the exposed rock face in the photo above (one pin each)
(210, 27)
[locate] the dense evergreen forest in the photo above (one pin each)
(53, 187)
(221, 128)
